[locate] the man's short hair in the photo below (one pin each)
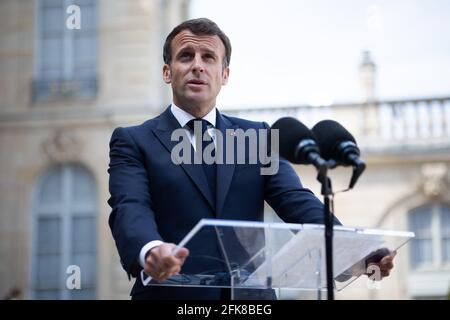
(198, 26)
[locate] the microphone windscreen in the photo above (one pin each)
(291, 133)
(329, 134)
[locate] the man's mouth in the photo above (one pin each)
(196, 82)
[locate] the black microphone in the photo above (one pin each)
(337, 144)
(298, 143)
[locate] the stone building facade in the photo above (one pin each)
(62, 92)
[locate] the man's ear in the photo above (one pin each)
(166, 74)
(225, 75)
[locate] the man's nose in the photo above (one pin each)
(197, 64)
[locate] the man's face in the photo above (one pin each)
(196, 72)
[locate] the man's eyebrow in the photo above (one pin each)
(189, 48)
(184, 49)
(212, 52)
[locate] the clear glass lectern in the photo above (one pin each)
(250, 256)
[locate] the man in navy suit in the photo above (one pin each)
(156, 202)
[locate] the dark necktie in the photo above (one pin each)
(209, 169)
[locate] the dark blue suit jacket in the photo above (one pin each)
(155, 199)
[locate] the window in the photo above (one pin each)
(66, 58)
(445, 233)
(64, 228)
(431, 246)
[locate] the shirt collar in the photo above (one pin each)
(183, 117)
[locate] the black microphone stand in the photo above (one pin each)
(327, 193)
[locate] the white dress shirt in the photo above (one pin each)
(183, 118)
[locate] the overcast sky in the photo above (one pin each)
(291, 52)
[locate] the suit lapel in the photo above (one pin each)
(168, 123)
(224, 171)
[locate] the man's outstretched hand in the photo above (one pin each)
(386, 264)
(161, 263)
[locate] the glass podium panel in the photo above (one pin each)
(244, 255)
